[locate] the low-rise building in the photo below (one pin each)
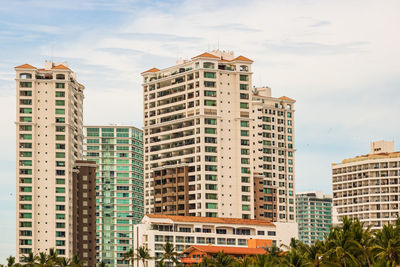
(195, 254)
(184, 231)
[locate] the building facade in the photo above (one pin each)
(49, 141)
(210, 139)
(367, 187)
(184, 231)
(84, 211)
(118, 152)
(313, 215)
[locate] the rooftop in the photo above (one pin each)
(221, 56)
(194, 219)
(370, 157)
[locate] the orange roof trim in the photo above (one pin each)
(226, 250)
(151, 70)
(207, 55)
(211, 220)
(60, 67)
(242, 58)
(25, 66)
(287, 98)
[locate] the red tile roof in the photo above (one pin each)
(206, 54)
(43, 70)
(212, 220)
(25, 66)
(60, 67)
(287, 98)
(151, 70)
(226, 250)
(242, 58)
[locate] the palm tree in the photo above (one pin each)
(341, 246)
(169, 253)
(245, 261)
(30, 260)
(53, 256)
(294, 259)
(43, 259)
(387, 244)
(223, 260)
(64, 262)
(102, 264)
(130, 256)
(10, 261)
(143, 254)
(363, 240)
(76, 261)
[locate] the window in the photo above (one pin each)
(244, 123)
(210, 121)
(210, 103)
(209, 74)
(60, 85)
(244, 87)
(210, 130)
(25, 76)
(211, 205)
(244, 105)
(25, 84)
(244, 77)
(210, 93)
(60, 103)
(208, 65)
(60, 111)
(60, 94)
(209, 84)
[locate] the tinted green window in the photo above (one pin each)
(210, 130)
(27, 119)
(60, 137)
(60, 155)
(60, 103)
(211, 205)
(60, 189)
(60, 111)
(210, 121)
(60, 85)
(60, 181)
(60, 94)
(209, 74)
(60, 216)
(244, 123)
(60, 199)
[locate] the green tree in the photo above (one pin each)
(10, 261)
(29, 260)
(76, 261)
(387, 244)
(170, 253)
(130, 256)
(143, 254)
(102, 264)
(223, 260)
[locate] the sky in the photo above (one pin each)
(339, 59)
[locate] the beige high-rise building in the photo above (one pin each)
(215, 147)
(367, 187)
(49, 141)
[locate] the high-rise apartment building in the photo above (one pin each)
(49, 141)
(211, 141)
(84, 211)
(118, 152)
(367, 187)
(313, 215)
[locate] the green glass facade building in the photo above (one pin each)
(118, 151)
(313, 215)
